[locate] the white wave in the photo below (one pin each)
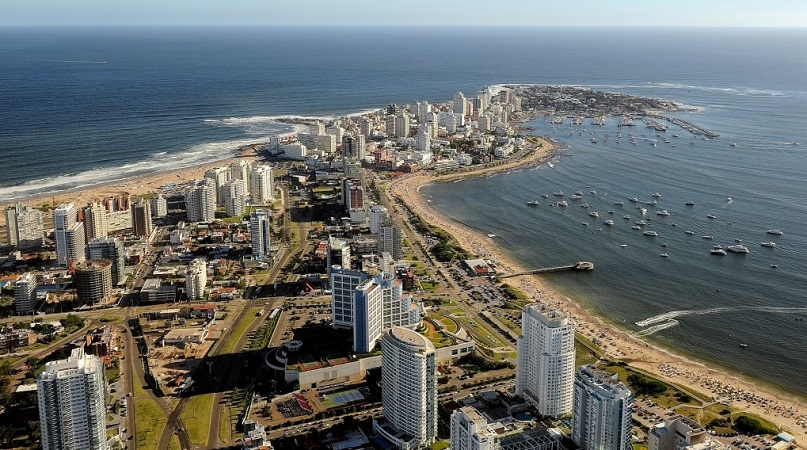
(699, 312)
(657, 328)
(729, 90)
(193, 156)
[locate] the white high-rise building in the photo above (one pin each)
(603, 410)
(96, 221)
(235, 201)
(111, 249)
(196, 279)
(24, 228)
(390, 239)
(379, 304)
(470, 431)
(218, 176)
(423, 110)
(378, 216)
(260, 185)
(460, 104)
(71, 394)
(200, 201)
(25, 294)
(424, 140)
(343, 285)
(402, 126)
(259, 227)
(545, 367)
(159, 206)
(338, 252)
(409, 389)
(239, 171)
(64, 220)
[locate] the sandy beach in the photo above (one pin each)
(784, 409)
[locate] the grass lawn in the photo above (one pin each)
(149, 422)
(239, 329)
(448, 323)
(439, 445)
(173, 444)
(196, 417)
(429, 286)
(224, 424)
(480, 332)
(583, 355)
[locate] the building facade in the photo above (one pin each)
(235, 199)
(159, 206)
(111, 249)
(141, 219)
(390, 240)
(200, 201)
(96, 221)
(25, 294)
(409, 389)
(545, 366)
(24, 229)
(260, 185)
(71, 396)
(259, 228)
(196, 279)
(470, 431)
(602, 412)
(344, 282)
(93, 281)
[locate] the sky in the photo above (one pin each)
(609, 13)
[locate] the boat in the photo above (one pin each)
(558, 193)
(743, 345)
(563, 204)
(664, 255)
(689, 232)
(664, 244)
(651, 202)
(533, 203)
(580, 193)
(711, 216)
(623, 245)
(633, 199)
(738, 248)
(584, 205)
(491, 235)
(576, 197)
(775, 232)
(609, 222)
(708, 237)
(626, 217)
(641, 223)
(585, 224)
(593, 192)
(733, 144)
(663, 212)
(656, 195)
(774, 266)
(642, 211)
(689, 203)
(619, 203)
(769, 244)
(717, 250)
(610, 212)
(636, 227)
(594, 214)
(545, 195)
(650, 233)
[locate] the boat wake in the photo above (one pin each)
(667, 320)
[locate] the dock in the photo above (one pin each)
(580, 265)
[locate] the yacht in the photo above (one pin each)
(594, 214)
(641, 223)
(664, 255)
(775, 232)
(558, 193)
(689, 203)
(585, 224)
(636, 227)
(738, 248)
(689, 232)
(717, 250)
(769, 244)
(656, 195)
(619, 203)
(563, 204)
(584, 205)
(650, 233)
(651, 202)
(708, 236)
(711, 216)
(580, 193)
(545, 195)
(664, 244)
(576, 197)
(633, 199)
(663, 212)
(609, 222)
(642, 211)
(533, 203)
(626, 217)
(623, 245)
(593, 192)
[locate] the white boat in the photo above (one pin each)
(650, 233)
(558, 193)
(633, 199)
(623, 245)
(775, 232)
(689, 232)
(641, 223)
(708, 237)
(689, 203)
(663, 212)
(642, 211)
(711, 216)
(619, 203)
(545, 195)
(576, 197)
(533, 203)
(610, 212)
(733, 144)
(651, 202)
(585, 224)
(609, 222)
(636, 227)
(717, 250)
(594, 214)
(563, 204)
(656, 195)
(769, 244)
(664, 244)
(593, 192)
(584, 205)
(738, 248)
(626, 217)
(491, 235)
(664, 255)
(580, 193)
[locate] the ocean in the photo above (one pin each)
(81, 107)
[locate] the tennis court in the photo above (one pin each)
(342, 398)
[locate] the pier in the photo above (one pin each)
(580, 265)
(689, 126)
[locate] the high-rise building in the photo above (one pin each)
(93, 281)
(378, 216)
(196, 279)
(423, 110)
(259, 227)
(409, 389)
(71, 395)
(402, 126)
(159, 206)
(25, 294)
(343, 285)
(424, 140)
(260, 185)
(390, 123)
(96, 221)
(235, 201)
(379, 303)
(390, 239)
(545, 367)
(218, 176)
(470, 431)
(460, 104)
(200, 201)
(354, 194)
(603, 411)
(24, 228)
(111, 249)
(69, 241)
(338, 252)
(141, 219)
(239, 171)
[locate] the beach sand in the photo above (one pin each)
(782, 408)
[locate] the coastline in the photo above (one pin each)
(784, 409)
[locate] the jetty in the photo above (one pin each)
(580, 265)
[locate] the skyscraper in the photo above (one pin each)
(25, 294)
(71, 396)
(378, 216)
(96, 223)
(343, 285)
(239, 171)
(603, 410)
(409, 389)
(545, 367)
(159, 206)
(70, 240)
(93, 281)
(379, 303)
(234, 198)
(218, 177)
(24, 226)
(196, 279)
(200, 201)
(259, 227)
(470, 431)
(390, 239)
(260, 185)
(111, 249)
(141, 219)
(338, 252)
(402, 126)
